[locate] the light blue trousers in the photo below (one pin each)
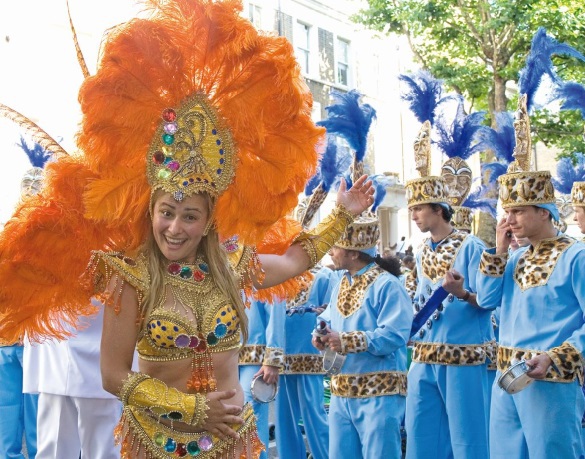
(543, 421)
(247, 373)
(447, 412)
(301, 396)
(18, 411)
(366, 428)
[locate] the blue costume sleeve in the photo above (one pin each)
(275, 338)
(489, 280)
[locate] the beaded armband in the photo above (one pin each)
(317, 242)
(140, 390)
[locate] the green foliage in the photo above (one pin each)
(478, 47)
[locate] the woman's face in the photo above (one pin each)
(178, 226)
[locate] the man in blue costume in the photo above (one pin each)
(300, 395)
(447, 404)
(371, 316)
(262, 356)
(542, 295)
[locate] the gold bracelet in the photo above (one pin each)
(142, 391)
(317, 242)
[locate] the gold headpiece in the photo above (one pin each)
(520, 186)
(578, 194)
(191, 152)
(428, 189)
(462, 218)
(362, 234)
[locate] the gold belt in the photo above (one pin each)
(139, 431)
(451, 354)
(364, 385)
(508, 355)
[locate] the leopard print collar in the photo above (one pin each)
(351, 296)
(436, 263)
(537, 263)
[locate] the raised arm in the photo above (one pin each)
(310, 247)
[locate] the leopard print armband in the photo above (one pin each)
(567, 361)
(493, 265)
(353, 342)
(274, 357)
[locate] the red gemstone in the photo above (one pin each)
(169, 115)
(158, 157)
(181, 450)
(198, 276)
(129, 261)
(194, 343)
(174, 268)
(202, 346)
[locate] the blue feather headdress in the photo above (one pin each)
(423, 93)
(569, 173)
(350, 119)
(461, 137)
(539, 63)
(380, 183)
(501, 141)
(573, 96)
(37, 155)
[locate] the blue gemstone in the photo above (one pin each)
(170, 446)
(214, 131)
(163, 328)
(221, 160)
(220, 330)
(221, 151)
(218, 142)
(218, 171)
(175, 328)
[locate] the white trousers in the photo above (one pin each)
(67, 426)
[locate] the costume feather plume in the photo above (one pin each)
(573, 96)
(477, 199)
(350, 119)
(569, 173)
(380, 183)
(37, 155)
(461, 136)
(539, 63)
(423, 93)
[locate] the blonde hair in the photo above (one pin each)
(215, 257)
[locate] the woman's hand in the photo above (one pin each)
(221, 417)
(358, 198)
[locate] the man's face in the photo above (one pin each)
(425, 217)
(579, 217)
(526, 221)
(340, 257)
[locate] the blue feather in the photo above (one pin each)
(477, 200)
(568, 173)
(424, 93)
(380, 183)
(573, 96)
(539, 63)
(495, 169)
(37, 155)
(462, 136)
(350, 119)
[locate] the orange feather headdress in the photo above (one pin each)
(224, 82)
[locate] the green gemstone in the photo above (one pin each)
(168, 139)
(159, 438)
(212, 339)
(193, 448)
(164, 174)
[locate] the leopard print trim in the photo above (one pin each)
(493, 265)
(450, 354)
(251, 354)
(353, 342)
(364, 385)
(411, 282)
(492, 355)
(273, 356)
(566, 359)
(436, 263)
(350, 297)
(303, 364)
(536, 264)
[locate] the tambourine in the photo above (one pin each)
(332, 362)
(515, 379)
(261, 391)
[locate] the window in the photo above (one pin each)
(255, 15)
(342, 62)
(302, 45)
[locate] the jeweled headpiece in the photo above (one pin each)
(362, 234)
(578, 194)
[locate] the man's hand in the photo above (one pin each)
(332, 341)
(269, 374)
(453, 283)
(503, 236)
(539, 366)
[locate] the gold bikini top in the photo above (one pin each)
(168, 334)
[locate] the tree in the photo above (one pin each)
(478, 47)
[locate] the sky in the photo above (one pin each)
(40, 75)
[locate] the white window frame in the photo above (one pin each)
(303, 53)
(342, 60)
